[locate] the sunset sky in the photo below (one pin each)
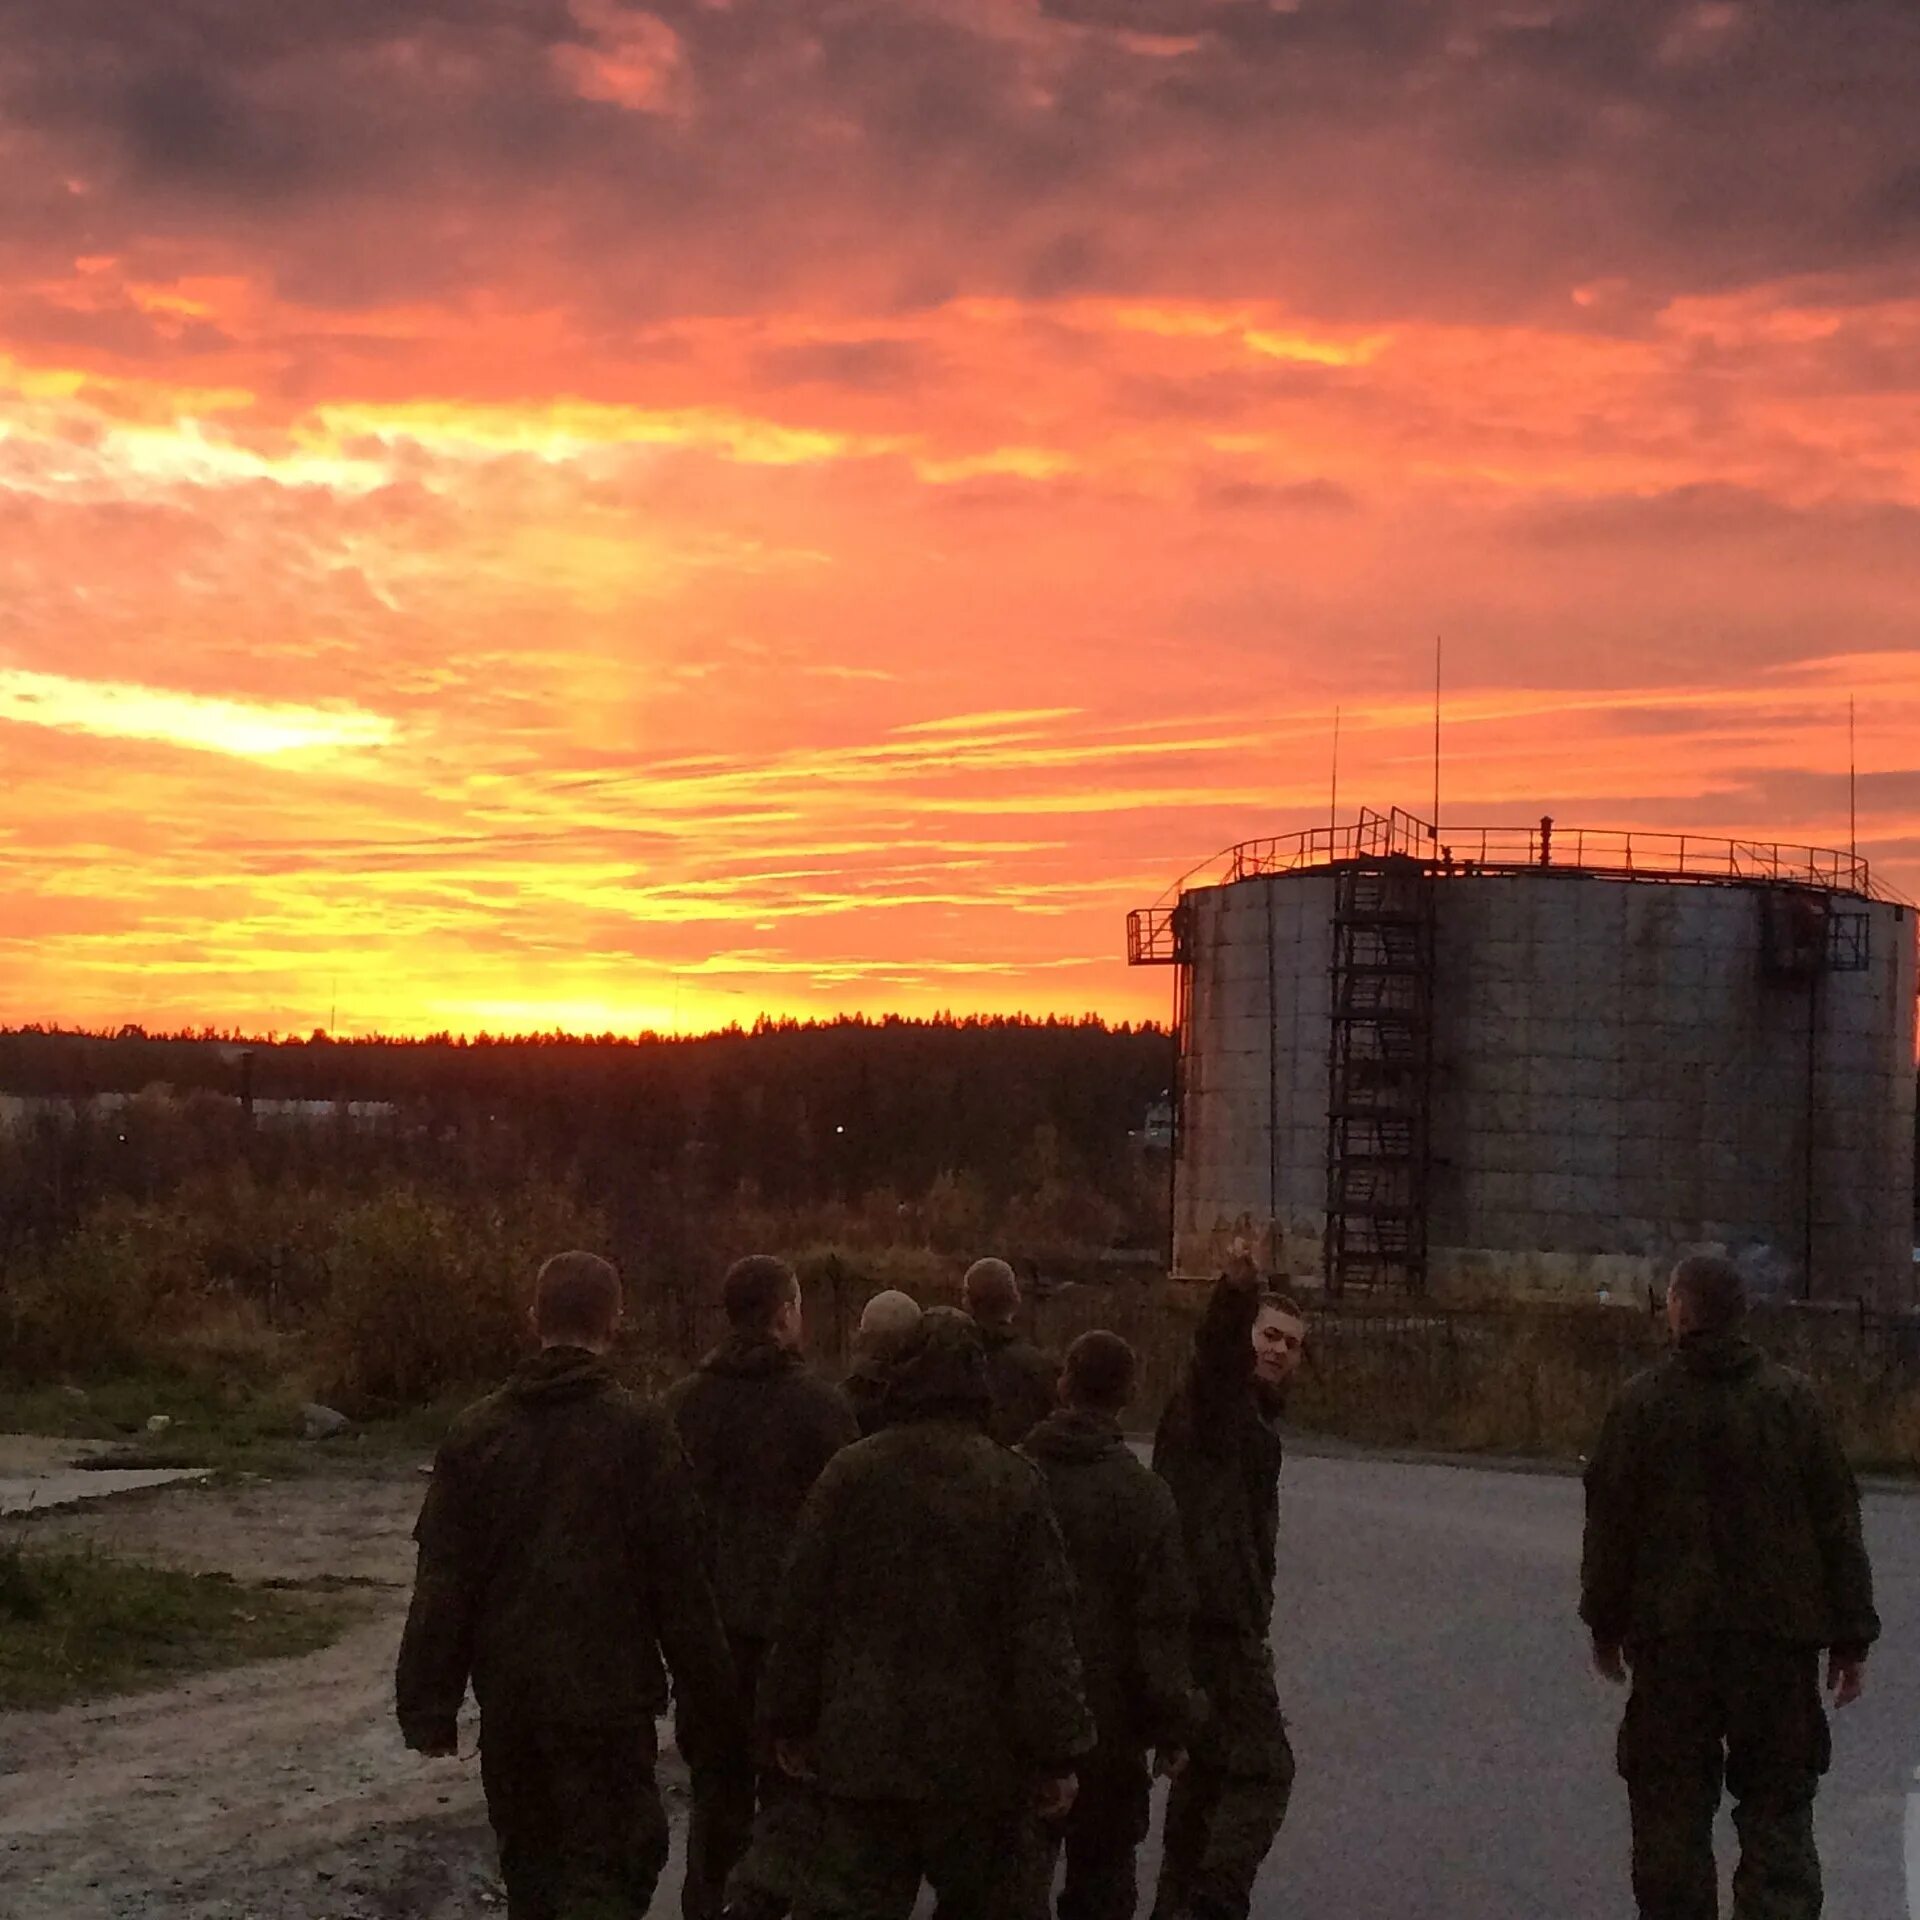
(529, 513)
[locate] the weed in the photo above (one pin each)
(75, 1625)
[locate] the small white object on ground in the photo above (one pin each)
(159, 1422)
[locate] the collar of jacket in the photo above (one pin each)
(1075, 1434)
(750, 1356)
(996, 1334)
(1718, 1355)
(561, 1373)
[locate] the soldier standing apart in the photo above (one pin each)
(561, 1557)
(758, 1425)
(1130, 1576)
(1218, 1449)
(1723, 1551)
(886, 1321)
(1019, 1376)
(923, 1676)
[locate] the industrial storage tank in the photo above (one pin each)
(1541, 1060)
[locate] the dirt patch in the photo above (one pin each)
(272, 1792)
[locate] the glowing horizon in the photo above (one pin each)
(652, 516)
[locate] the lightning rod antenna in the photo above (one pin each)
(1435, 817)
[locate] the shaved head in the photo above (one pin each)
(886, 1320)
(1099, 1372)
(576, 1301)
(1709, 1292)
(990, 1291)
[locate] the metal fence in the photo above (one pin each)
(1533, 1378)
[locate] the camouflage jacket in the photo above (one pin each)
(560, 1558)
(1219, 1451)
(925, 1647)
(865, 1386)
(1130, 1579)
(1718, 1501)
(1023, 1382)
(758, 1425)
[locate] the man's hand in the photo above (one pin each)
(1845, 1679)
(1610, 1660)
(436, 1742)
(1170, 1762)
(1241, 1270)
(1053, 1797)
(795, 1757)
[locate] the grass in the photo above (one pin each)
(77, 1625)
(211, 1423)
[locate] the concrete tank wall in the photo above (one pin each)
(1616, 1080)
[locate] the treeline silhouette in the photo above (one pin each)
(785, 1114)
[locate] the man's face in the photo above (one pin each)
(1279, 1339)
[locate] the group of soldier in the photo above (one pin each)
(939, 1624)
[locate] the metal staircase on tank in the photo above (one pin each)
(1381, 1076)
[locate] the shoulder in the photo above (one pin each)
(473, 1427)
(1650, 1387)
(1144, 1487)
(1789, 1388)
(686, 1388)
(808, 1389)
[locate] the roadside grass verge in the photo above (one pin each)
(80, 1625)
(232, 1429)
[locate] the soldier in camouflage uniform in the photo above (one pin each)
(923, 1676)
(1218, 1448)
(1130, 1576)
(758, 1425)
(886, 1322)
(1723, 1551)
(561, 1557)
(1020, 1377)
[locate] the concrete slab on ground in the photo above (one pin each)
(51, 1488)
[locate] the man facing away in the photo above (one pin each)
(1218, 1449)
(561, 1569)
(1130, 1577)
(758, 1425)
(1020, 1377)
(1723, 1551)
(886, 1323)
(923, 1676)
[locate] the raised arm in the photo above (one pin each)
(1220, 1374)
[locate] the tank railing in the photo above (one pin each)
(1609, 852)
(1374, 836)
(1664, 856)
(1154, 937)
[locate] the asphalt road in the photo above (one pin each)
(1455, 1751)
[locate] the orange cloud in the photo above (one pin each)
(671, 513)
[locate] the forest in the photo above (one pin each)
(380, 1202)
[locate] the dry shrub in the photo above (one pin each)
(429, 1295)
(97, 1304)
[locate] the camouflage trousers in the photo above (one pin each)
(748, 1834)
(577, 1815)
(1225, 1810)
(1099, 1838)
(1733, 1708)
(870, 1857)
